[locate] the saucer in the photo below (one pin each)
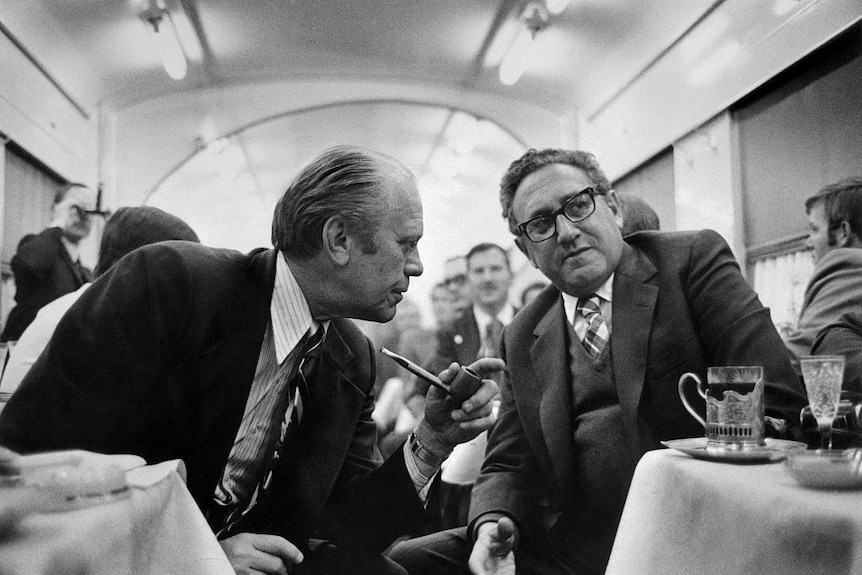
(827, 469)
(774, 450)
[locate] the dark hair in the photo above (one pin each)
(529, 288)
(637, 214)
(842, 201)
(534, 160)
(344, 181)
(64, 191)
(131, 228)
(486, 247)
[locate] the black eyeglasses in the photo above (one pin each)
(577, 208)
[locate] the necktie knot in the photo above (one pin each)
(597, 334)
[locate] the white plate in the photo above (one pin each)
(826, 469)
(774, 450)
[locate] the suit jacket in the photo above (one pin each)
(680, 304)
(43, 272)
(157, 359)
(461, 343)
(835, 288)
(844, 337)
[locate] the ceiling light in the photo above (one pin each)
(556, 6)
(534, 18)
(165, 40)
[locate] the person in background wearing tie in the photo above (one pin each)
(476, 334)
(244, 366)
(593, 365)
(46, 265)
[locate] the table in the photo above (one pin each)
(684, 515)
(158, 529)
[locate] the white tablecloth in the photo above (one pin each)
(157, 530)
(687, 516)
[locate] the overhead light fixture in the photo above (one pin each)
(556, 6)
(165, 40)
(533, 19)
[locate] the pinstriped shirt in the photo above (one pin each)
(290, 319)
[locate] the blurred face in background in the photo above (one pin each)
(455, 279)
(488, 279)
(444, 305)
(820, 237)
(70, 214)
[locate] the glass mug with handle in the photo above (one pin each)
(734, 405)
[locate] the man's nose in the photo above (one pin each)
(566, 229)
(413, 266)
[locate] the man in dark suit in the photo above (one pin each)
(46, 265)
(593, 365)
(214, 357)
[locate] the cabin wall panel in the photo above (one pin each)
(41, 120)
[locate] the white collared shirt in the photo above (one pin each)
(290, 319)
(570, 302)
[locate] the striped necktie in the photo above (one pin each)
(597, 329)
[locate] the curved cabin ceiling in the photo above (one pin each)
(276, 81)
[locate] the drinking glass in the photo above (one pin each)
(823, 375)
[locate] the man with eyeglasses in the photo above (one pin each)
(47, 265)
(593, 365)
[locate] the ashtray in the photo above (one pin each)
(827, 468)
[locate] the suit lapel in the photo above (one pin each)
(312, 456)
(550, 363)
(634, 298)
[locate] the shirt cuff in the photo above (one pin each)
(422, 466)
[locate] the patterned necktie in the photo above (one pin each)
(493, 331)
(289, 412)
(597, 330)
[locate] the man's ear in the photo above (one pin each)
(522, 245)
(337, 243)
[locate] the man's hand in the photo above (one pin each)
(452, 424)
(252, 553)
(493, 553)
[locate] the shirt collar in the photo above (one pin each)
(605, 292)
(289, 311)
(483, 318)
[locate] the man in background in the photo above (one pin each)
(835, 287)
(244, 366)
(637, 214)
(127, 230)
(47, 265)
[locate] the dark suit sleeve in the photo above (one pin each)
(37, 253)
(735, 328)
(371, 504)
(510, 482)
(95, 386)
(445, 353)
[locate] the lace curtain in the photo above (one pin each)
(780, 282)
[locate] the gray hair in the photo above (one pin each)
(343, 181)
(533, 160)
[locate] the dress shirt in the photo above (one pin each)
(290, 319)
(570, 304)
